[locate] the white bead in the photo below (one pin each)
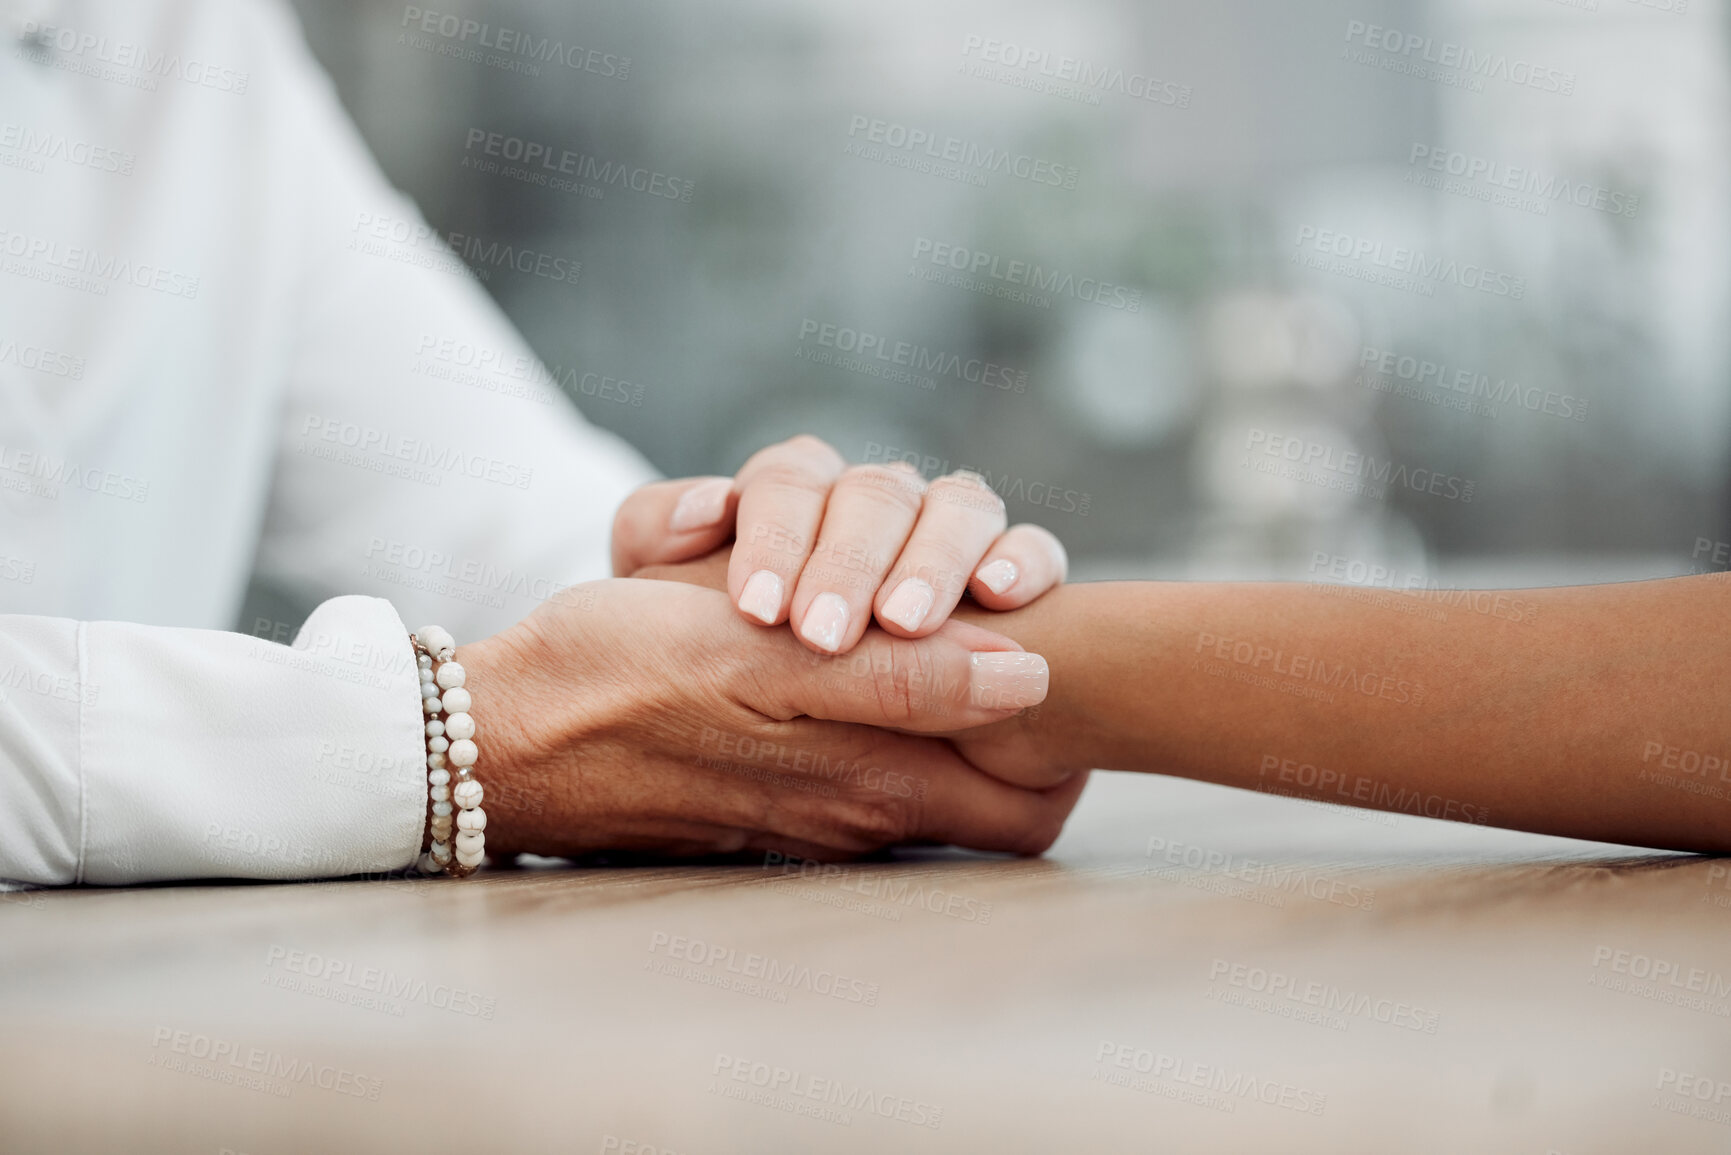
(463, 752)
(429, 706)
(472, 819)
(426, 865)
(438, 777)
(435, 728)
(439, 793)
(467, 794)
(436, 761)
(424, 661)
(460, 726)
(438, 745)
(439, 640)
(472, 859)
(471, 840)
(456, 701)
(440, 849)
(450, 675)
(441, 808)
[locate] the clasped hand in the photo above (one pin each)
(663, 717)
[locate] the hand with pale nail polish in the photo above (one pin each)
(649, 716)
(828, 548)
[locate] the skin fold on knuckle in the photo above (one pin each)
(941, 564)
(838, 567)
(774, 678)
(880, 485)
(793, 477)
(872, 820)
(899, 677)
(968, 492)
(771, 543)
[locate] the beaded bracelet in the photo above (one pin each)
(450, 744)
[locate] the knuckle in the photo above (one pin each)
(847, 568)
(967, 490)
(772, 541)
(804, 453)
(879, 820)
(790, 475)
(894, 674)
(942, 565)
(1041, 538)
(883, 483)
(727, 842)
(811, 446)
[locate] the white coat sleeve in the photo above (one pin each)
(134, 753)
(425, 454)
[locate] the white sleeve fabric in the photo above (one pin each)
(133, 753)
(337, 355)
(426, 455)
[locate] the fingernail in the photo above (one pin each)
(825, 622)
(909, 604)
(701, 506)
(999, 575)
(761, 597)
(1009, 681)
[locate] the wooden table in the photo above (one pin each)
(1191, 969)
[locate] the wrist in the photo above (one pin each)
(512, 766)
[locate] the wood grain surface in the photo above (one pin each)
(1191, 969)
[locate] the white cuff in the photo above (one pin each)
(208, 754)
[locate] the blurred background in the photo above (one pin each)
(1394, 293)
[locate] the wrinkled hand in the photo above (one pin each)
(639, 715)
(826, 546)
(1040, 748)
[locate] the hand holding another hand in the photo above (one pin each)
(1047, 747)
(649, 715)
(828, 547)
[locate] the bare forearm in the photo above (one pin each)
(1598, 712)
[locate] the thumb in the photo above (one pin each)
(957, 678)
(672, 521)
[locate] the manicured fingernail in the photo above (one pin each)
(909, 604)
(701, 506)
(825, 622)
(999, 575)
(761, 597)
(1009, 681)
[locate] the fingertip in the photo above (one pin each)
(1059, 555)
(1025, 562)
(824, 625)
(761, 597)
(1008, 681)
(907, 611)
(999, 577)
